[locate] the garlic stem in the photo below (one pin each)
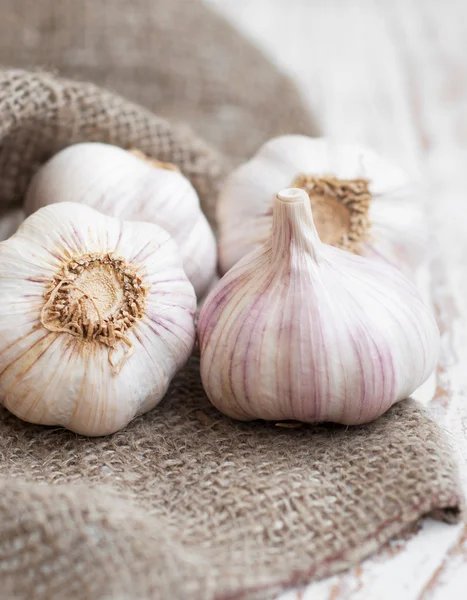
(293, 228)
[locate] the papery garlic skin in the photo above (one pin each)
(122, 185)
(396, 224)
(60, 378)
(302, 330)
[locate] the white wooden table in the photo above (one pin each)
(393, 74)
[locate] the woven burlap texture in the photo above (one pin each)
(40, 114)
(185, 503)
(178, 58)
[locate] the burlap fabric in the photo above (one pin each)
(176, 57)
(40, 114)
(185, 503)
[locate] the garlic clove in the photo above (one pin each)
(381, 220)
(121, 184)
(301, 330)
(96, 316)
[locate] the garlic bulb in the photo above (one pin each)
(120, 184)
(96, 316)
(360, 202)
(301, 330)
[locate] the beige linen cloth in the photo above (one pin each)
(184, 503)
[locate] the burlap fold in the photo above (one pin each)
(177, 57)
(185, 503)
(40, 114)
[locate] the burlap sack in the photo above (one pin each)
(40, 114)
(176, 57)
(185, 503)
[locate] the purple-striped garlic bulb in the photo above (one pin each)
(302, 330)
(96, 317)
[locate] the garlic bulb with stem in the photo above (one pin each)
(96, 316)
(301, 330)
(360, 202)
(122, 184)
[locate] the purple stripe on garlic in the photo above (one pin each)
(301, 330)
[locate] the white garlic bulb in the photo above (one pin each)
(360, 202)
(120, 184)
(96, 316)
(301, 330)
